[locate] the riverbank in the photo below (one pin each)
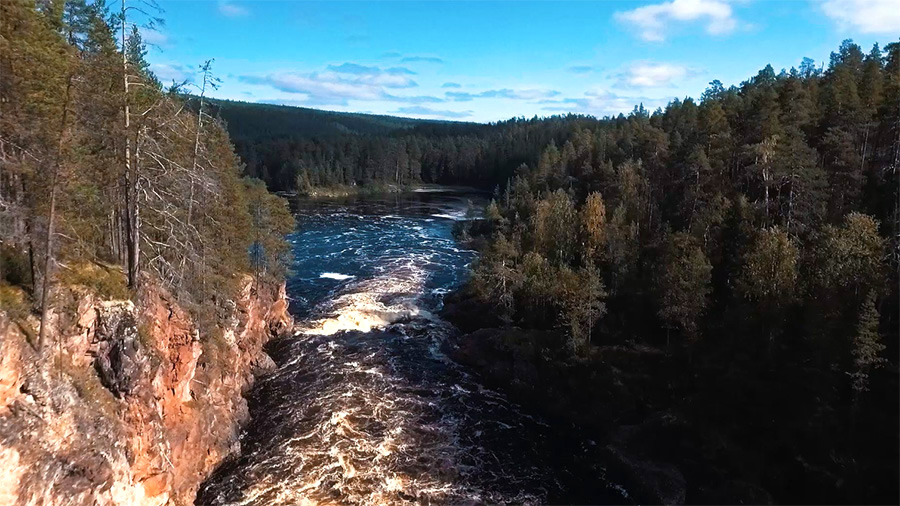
(375, 189)
(338, 191)
(130, 406)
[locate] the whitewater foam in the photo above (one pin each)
(374, 303)
(365, 408)
(335, 275)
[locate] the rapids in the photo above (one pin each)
(364, 408)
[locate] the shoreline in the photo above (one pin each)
(345, 191)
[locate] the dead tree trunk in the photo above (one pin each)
(130, 194)
(51, 222)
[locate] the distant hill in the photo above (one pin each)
(277, 143)
(293, 147)
(249, 121)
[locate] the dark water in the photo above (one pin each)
(364, 408)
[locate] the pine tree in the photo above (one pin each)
(799, 182)
(683, 284)
(867, 346)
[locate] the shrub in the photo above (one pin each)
(106, 281)
(14, 301)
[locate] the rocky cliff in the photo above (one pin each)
(130, 405)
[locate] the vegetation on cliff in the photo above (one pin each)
(98, 163)
(129, 327)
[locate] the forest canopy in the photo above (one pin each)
(753, 237)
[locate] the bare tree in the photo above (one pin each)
(51, 218)
(131, 177)
(213, 82)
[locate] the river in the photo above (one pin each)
(363, 407)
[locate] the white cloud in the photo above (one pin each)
(419, 111)
(521, 94)
(339, 83)
(155, 38)
(424, 59)
(227, 8)
(865, 16)
(601, 103)
(363, 70)
(653, 75)
(581, 69)
(652, 21)
(417, 99)
(316, 86)
(168, 72)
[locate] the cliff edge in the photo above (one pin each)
(128, 405)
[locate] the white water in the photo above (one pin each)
(335, 275)
(364, 407)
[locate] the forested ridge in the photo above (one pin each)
(103, 172)
(752, 237)
(254, 121)
(293, 148)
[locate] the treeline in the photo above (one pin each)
(101, 166)
(258, 121)
(753, 234)
(295, 149)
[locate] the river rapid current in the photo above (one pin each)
(363, 407)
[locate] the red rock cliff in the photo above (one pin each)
(130, 407)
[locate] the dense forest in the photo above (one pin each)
(99, 166)
(294, 148)
(753, 236)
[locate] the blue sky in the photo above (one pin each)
(488, 61)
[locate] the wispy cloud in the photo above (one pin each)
(580, 69)
(602, 103)
(358, 38)
(451, 85)
(231, 9)
(423, 59)
(418, 110)
(866, 16)
(156, 38)
(168, 72)
(526, 94)
(365, 70)
(417, 99)
(653, 75)
(653, 21)
(338, 83)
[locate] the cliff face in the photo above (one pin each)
(129, 406)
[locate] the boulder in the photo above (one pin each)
(119, 360)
